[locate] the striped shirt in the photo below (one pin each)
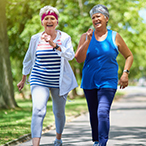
(46, 70)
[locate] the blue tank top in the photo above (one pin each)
(100, 68)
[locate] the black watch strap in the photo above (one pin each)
(55, 47)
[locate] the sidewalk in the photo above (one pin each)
(128, 124)
(128, 119)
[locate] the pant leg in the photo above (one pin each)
(40, 96)
(105, 98)
(59, 103)
(92, 102)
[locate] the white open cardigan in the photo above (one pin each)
(67, 80)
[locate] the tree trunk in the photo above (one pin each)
(6, 82)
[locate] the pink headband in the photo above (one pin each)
(54, 14)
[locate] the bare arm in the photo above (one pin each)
(80, 54)
(125, 51)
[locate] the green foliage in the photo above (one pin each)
(23, 21)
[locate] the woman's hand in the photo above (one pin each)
(48, 39)
(20, 85)
(123, 82)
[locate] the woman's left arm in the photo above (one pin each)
(66, 48)
(125, 51)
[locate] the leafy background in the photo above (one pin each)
(23, 21)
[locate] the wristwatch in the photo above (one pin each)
(55, 47)
(127, 71)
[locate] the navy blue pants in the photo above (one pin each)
(99, 102)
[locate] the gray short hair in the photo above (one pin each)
(99, 9)
(47, 9)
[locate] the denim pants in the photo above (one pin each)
(40, 96)
(99, 102)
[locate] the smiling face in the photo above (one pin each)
(49, 23)
(99, 20)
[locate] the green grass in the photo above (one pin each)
(15, 123)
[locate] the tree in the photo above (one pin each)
(6, 83)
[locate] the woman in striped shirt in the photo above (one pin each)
(47, 62)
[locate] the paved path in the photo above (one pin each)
(128, 124)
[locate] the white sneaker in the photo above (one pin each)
(96, 144)
(57, 143)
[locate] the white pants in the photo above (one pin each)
(40, 96)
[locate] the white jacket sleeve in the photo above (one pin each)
(66, 48)
(27, 62)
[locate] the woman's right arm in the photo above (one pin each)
(27, 65)
(84, 42)
(20, 85)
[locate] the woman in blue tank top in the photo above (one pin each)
(98, 50)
